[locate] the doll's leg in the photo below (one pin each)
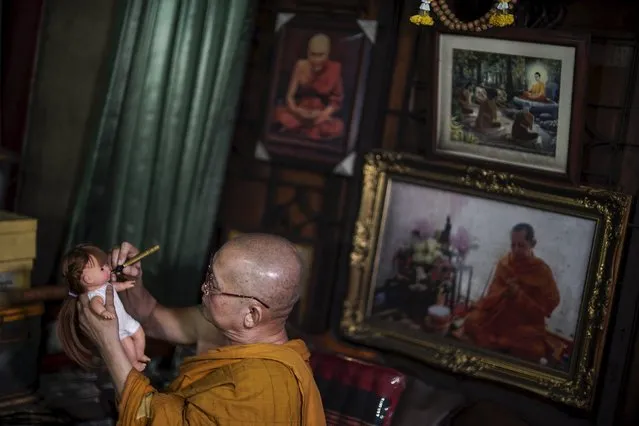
(129, 349)
(139, 342)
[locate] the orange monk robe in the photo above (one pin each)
(515, 323)
(487, 115)
(255, 384)
(538, 89)
(522, 127)
(315, 92)
(537, 92)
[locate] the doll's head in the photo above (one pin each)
(83, 269)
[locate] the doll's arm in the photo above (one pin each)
(123, 286)
(97, 306)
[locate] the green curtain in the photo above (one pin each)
(156, 168)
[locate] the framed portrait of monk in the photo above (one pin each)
(317, 89)
(485, 273)
(514, 98)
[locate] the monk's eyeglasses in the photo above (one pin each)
(209, 288)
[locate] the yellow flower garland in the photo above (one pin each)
(502, 16)
(498, 16)
(423, 17)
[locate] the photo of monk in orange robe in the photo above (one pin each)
(314, 96)
(510, 318)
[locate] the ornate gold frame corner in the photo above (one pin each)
(609, 209)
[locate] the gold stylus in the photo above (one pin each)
(137, 258)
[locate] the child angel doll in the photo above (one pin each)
(85, 270)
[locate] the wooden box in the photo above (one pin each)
(17, 250)
(19, 349)
(15, 274)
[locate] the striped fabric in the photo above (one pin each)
(355, 393)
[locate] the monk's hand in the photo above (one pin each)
(313, 114)
(322, 117)
(513, 286)
(306, 114)
(101, 331)
(119, 255)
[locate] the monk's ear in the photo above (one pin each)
(254, 316)
(533, 243)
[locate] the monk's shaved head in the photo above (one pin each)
(319, 43)
(267, 267)
(527, 229)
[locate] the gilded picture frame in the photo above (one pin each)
(577, 234)
(307, 255)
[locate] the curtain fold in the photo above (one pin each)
(156, 170)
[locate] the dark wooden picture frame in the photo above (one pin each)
(288, 137)
(568, 142)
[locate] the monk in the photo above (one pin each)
(522, 126)
(537, 91)
(511, 317)
(246, 370)
(465, 99)
(315, 94)
(487, 116)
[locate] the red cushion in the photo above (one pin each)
(356, 392)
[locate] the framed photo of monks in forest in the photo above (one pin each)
(317, 91)
(486, 273)
(515, 98)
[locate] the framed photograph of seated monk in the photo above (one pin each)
(514, 98)
(486, 273)
(317, 91)
(307, 254)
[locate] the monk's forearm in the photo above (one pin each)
(292, 106)
(174, 325)
(297, 111)
(144, 308)
(139, 302)
(117, 363)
